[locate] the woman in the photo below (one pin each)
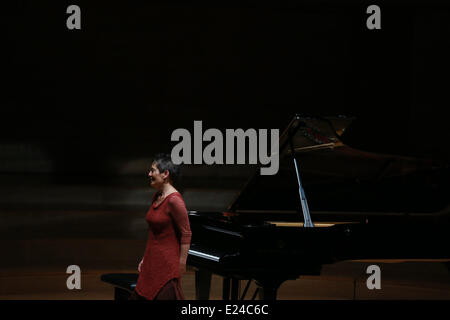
(169, 237)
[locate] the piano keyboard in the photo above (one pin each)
(206, 253)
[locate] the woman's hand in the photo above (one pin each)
(140, 264)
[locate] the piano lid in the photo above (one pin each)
(339, 178)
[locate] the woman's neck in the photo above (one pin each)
(166, 189)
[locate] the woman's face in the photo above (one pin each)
(157, 179)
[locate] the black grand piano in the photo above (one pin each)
(364, 206)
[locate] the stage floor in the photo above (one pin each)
(345, 280)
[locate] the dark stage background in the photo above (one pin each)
(83, 111)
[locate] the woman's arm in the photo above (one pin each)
(178, 213)
(184, 249)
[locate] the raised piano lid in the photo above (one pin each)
(343, 181)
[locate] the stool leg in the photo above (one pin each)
(121, 294)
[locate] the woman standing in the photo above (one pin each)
(169, 237)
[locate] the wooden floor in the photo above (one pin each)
(37, 247)
(347, 280)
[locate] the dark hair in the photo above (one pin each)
(164, 162)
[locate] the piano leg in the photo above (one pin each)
(235, 288)
(202, 284)
(226, 288)
(268, 288)
(230, 288)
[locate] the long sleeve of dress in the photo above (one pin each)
(178, 212)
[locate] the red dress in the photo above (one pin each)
(168, 228)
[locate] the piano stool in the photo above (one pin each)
(124, 284)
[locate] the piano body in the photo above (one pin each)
(366, 206)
